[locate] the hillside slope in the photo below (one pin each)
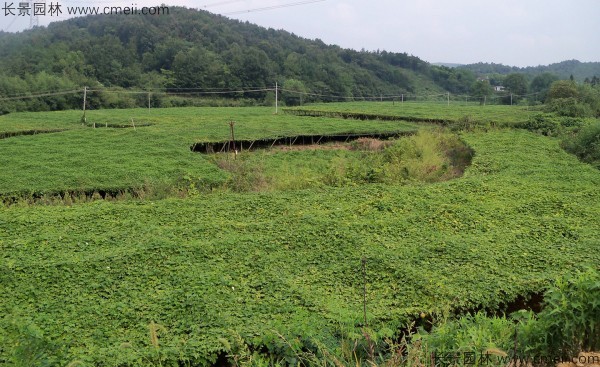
(196, 49)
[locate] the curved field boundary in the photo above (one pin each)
(363, 116)
(12, 134)
(248, 145)
(118, 126)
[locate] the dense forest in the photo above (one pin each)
(194, 51)
(191, 49)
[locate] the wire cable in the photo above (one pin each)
(221, 3)
(273, 7)
(41, 95)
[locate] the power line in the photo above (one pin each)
(221, 3)
(273, 7)
(40, 95)
(223, 91)
(11, 23)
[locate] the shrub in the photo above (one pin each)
(570, 320)
(569, 107)
(568, 324)
(585, 144)
(541, 124)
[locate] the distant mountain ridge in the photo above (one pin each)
(447, 64)
(564, 70)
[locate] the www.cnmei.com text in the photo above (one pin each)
(56, 9)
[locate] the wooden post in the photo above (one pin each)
(232, 141)
(149, 100)
(276, 98)
(448, 98)
(364, 271)
(84, 100)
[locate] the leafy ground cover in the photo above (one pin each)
(195, 124)
(139, 283)
(499, 115)
(148, 158)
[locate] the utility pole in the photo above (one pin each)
(276, 98)
(84, 99)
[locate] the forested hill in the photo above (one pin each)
(196, 49)
(579, 70)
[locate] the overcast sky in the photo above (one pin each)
(512, 32)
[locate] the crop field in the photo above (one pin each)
(84, 159)
(498, 115)
(179, 280)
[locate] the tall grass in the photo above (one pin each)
(429, 156)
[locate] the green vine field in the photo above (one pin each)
(148, 158)
(134, 283)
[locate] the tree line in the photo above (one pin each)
(193, 49)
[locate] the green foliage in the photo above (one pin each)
(562, 70)
(153, 159)
(541, 124)
(563, 89)
(93, 276)
(585, 144)
(440, 113)
(194, 49)
(425, 157)
(475, 333)
(293, 94)
(517, 85)
(590, 96)
(481, 89)
(570, 320)
(570, 107)
(27, 344)
(453, 79)
(137, 283)
(566, 98)
(541, 85)
(567, 325)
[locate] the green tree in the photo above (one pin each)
(198, 68)
(563, 89)
(516, 83)
(293, 94)
(541, 84)
(566, 98)
(481, 89)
